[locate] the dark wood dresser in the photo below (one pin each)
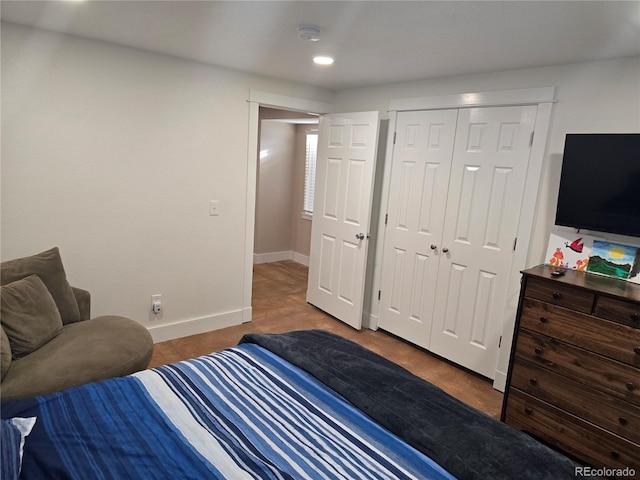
(574, 372)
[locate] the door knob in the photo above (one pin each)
(360, 236)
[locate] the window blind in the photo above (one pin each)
(311, 155)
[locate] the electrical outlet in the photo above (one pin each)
(156, 303)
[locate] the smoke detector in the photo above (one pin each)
(310, 33)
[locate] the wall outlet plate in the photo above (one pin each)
(156, 303)
(214, 208)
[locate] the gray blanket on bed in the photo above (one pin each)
(466, 442)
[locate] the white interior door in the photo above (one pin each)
(491, 155)
(347, 145)
(417, 201)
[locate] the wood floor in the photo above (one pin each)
(279, 306)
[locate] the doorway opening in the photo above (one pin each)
(284, 186)
(258, 100)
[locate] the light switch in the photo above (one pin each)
(214, 208)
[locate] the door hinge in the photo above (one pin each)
(394, 137)
(515, 242)
(379, 294)
(500, 342)
(386, 218)
(531, 139)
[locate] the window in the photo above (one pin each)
(311, 153)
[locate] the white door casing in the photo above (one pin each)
(347, 145)
(489, 169)
(415, 217)
(256, 100)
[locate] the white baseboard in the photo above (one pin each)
(500, 381)
(184, 328)
(370, 321)
(272, 257)
(162, 333)
(300, 258)
(280, 256)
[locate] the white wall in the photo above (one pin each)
(112, 154)
(274, 198)
(601, 96)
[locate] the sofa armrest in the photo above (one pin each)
(83, 297)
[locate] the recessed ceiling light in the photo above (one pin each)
(323, 60)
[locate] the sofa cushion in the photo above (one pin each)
(29, 315)
(48, 266)
(96, 349)
(5, 354)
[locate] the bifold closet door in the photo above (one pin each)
(417, 200)
(457, 181)
(488, 173)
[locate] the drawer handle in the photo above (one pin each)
(528, 410)
(533, 381)
(630, 386)
(635, 316)
(623, 421)
(556, 295)
(544, 319)
(537, 351)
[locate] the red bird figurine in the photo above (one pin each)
(576, 246)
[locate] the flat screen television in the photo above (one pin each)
(600, 183)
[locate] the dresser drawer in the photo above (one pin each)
(610, 339)
(592, 370)
(627, 313)
(569, 433)
(560, 294)
(618, 416)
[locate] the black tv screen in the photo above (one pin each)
(600, 183)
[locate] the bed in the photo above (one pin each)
(303, 404)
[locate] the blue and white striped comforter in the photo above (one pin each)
(243, 413)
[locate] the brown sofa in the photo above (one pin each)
(49, 342)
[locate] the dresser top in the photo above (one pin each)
(590, 281)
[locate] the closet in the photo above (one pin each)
(457, 184)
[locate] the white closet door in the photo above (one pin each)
(489, 170)
(417, 200)
(345, 167)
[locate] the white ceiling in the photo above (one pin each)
(373, 42)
